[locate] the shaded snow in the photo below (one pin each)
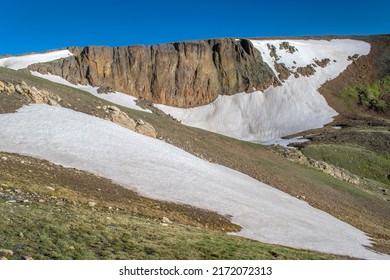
(113, 97)
(293, 107)
(162, 171)
(20, 62)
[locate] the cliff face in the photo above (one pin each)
(182, 74)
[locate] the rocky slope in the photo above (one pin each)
(184, 74)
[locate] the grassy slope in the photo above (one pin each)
(322, 191)
(357, 160)
(51, 219)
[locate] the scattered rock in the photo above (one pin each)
(3, 259)
(11, 201)
(286, 46)
(50, 188)
(166, 220)
(306, 71)
(21, 234)
(6, 252)
(27, 258)
(322, 63)
(104, 89)
(92, 204)
(4, 158)
(41, 201)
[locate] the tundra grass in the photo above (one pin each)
(357, 160)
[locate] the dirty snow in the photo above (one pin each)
(293, 107)
(162, 171)
(23, 61)
(118, 98)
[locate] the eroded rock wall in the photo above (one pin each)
(184, 74)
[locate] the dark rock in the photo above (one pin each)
(184, 74)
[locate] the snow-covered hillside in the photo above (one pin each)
(114, 97)
(20, 62)
(159, 170)
(294, 106)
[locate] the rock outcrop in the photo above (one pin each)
(184, 74)
(111, 113)
(32, 93)
(117, 116)
(297, 156)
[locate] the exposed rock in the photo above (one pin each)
(103, 89)
(6, 252)
(295, 155)
(91, 204)
(184, 74)
(166, 220)
(286, 46)
(283, 71)
(146, 129)
(35, 95)
(2, 86)
(117, 116)
(272, 52)
(307, 71)
(323, 62)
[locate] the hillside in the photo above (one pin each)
(343, 200)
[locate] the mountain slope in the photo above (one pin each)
(260, 163)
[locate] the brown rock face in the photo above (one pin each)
(182, 74)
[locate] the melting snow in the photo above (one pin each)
(278, 111)
(20, 62)
(113, 97)
(162, 171)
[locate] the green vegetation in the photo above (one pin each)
(371, 96)
(340, 199)
(64, 228)
(357, 160)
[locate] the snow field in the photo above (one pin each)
(20, 62)
(162, 171)
(119, 98)
(293, 107)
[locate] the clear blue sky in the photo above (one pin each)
(28, 26)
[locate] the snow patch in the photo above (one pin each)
(118, 98)
(293, 107)
(162, 171)
(23, 61)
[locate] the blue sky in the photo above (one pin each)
(28, 26)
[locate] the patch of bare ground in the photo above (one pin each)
(365, 69)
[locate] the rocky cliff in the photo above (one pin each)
(184, 74)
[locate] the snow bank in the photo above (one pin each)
(119, 98)
(162, 171)
(20, 62)
(293, 107)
